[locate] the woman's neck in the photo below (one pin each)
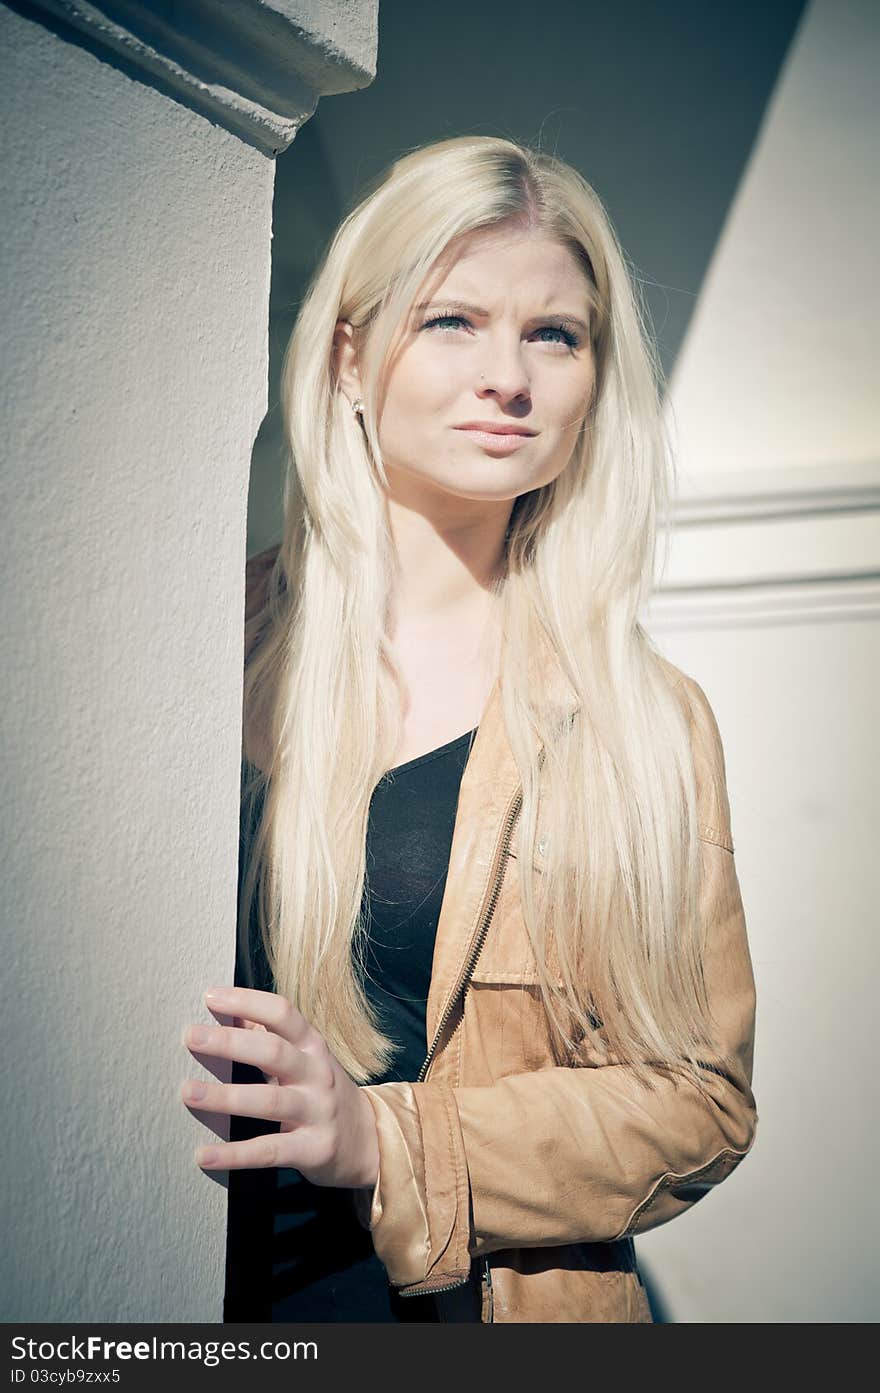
(446, 566)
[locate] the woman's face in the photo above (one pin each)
(503, 342)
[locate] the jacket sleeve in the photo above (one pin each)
(575, 1154)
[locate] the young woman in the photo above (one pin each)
(494, 1011)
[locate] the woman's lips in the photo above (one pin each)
(503, 442)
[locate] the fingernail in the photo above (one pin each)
(217, 996)
(194, 1092)
(197, 1035)
(207, 1155)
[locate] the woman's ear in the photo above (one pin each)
(345, 370)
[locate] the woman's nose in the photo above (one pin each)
(503, 372)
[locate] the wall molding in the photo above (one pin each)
(783, 546)
(256, 67)
(799, 600)
(818, 501)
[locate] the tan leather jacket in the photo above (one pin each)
(539, 1173)
(505, 1176)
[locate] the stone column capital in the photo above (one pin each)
(257, 67)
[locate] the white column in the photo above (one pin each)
(137, 189)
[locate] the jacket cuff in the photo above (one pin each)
(419, 1210)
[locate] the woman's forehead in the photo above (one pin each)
(495, 261)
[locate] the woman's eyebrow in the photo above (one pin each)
(476, 310)
(453, 305)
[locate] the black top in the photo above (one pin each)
(296, 1251)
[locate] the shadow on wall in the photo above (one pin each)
(659, 1310)
(307, 210)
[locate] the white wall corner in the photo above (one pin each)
(256, 67)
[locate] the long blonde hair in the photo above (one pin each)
(618, 897)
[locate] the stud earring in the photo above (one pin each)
(357, 407)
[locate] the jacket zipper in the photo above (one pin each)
(487, 1280)
(513, 811)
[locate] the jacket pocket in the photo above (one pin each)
(506, 1028)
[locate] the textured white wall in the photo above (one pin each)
(775, 399)
(134, 370)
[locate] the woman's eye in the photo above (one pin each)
(444, 319)
(565, 335)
